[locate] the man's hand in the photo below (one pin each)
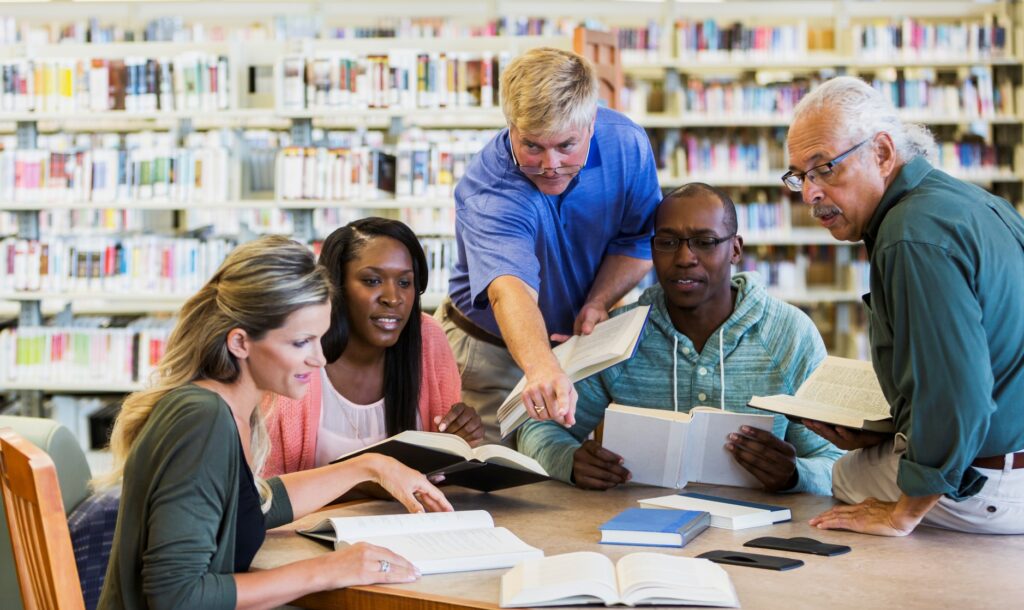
(876, 517)
(766, 456)
(845, 438)
(549, 394)
(463, 421)
(594, 467)
(590, 315)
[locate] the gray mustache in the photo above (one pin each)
(822, 210)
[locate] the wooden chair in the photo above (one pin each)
(602, 49)
(43, 555)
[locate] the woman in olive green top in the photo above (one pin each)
(192, 516)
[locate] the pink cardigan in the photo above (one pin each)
(293, 424)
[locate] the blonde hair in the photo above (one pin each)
(860, 111)
(546, 91)
(256, 288)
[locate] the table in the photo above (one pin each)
(931, 568)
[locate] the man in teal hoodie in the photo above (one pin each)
(703, 321)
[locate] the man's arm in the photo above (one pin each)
(549, 393)
(617, 275)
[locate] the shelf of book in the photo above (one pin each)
(816, 295)
(774, 178)
(384, 203)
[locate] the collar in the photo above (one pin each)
(908, 178)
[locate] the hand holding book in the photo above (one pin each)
(845, 438)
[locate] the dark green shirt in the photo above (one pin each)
(946, 324)
(174, 546)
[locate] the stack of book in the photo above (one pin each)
(915, 39)
(406, 79)
(145, 264)
(190, 81)
(94, 354)
(109, 168)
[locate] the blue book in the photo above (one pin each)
(654, 527)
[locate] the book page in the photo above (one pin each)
(847, 383)
(610, 339)
(656, 576)
(458, 550)
(449, 443)
(353, 529)
(708, 461)
(500, 454)
(568, 578)
(658, 460)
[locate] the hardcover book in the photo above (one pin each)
(485, 468)
(654, 527)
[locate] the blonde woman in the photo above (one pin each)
(192, 515)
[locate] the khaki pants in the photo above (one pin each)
(871, 472)
(488, 373)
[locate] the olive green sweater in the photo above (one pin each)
(174, 546)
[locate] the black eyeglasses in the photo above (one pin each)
(795, 180)
(699, 244)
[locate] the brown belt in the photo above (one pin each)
(467, 326)
(997, 462)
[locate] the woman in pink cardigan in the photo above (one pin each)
(389, 367)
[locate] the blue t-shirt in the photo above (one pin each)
(504, 225)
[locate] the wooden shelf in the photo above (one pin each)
(727, 63)
(774, 178)
(661, 120)
(71, 387)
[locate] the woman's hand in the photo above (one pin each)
(407, 486)
(463, 421)
(365, 564)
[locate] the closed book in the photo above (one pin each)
(654, 527)
(726, 513)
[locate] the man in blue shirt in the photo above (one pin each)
(945, 320)
(553, 221)
(711, 338)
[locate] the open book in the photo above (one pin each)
(671, 449)
(434, 542)
(840, 391)
(486, 468)
(612, 342)
(639, 578)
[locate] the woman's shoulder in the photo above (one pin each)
(431, 333)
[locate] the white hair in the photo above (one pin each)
(860, 111)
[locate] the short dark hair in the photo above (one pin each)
(695, 189)
(402, 365)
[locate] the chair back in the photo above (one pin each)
(602, 49)
(41, 543)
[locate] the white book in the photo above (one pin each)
(840, 391)
(637, 579)
(726, 513)
(679, 448)
(612, 341)
(436, 543)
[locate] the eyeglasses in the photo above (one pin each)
(700, 244)
(795, 180)
(538, 170)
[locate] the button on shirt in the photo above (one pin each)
(946, 323)
(504, 225)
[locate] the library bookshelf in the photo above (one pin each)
(707, 81)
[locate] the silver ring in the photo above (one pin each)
(385, 566)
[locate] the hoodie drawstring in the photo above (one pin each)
(675, 386)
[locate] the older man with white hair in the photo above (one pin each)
(945, 314)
